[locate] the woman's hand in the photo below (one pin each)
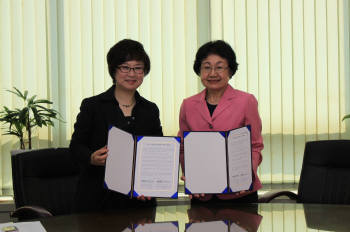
(143, 198)
(192, 195)
(99, 157)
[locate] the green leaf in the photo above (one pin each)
(17, 92)
(23, 114)
(346, 117)
(37, 117)
(43, 107)
(25, 94)
(12, 133)
(39, 101)
(31, 100)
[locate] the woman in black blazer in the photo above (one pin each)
(121, 106)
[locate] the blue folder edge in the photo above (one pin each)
(138, 138)
(187, 191)
(135, 226)
(251, 186)
(226, 190)
(187, 225)
(110, 127)
(175, 224)
(174, 196)
(178, 139)
(226, 222)
(135, 194)
(129, 193)
(186, 133)
(249, 127)
(223, 134)
(105, 185)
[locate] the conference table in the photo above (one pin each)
(203, 217)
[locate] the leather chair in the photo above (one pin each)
(325, 174)
(44, 182)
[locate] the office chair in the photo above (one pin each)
(44, 182)
(325, 174)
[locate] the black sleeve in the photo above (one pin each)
(80, 138)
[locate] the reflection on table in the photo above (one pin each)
(239, 217)
(223, 218)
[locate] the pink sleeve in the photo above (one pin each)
(252, 118)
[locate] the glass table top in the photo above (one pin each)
(238, 217)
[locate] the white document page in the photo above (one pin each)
(205, 162)
(236, 228)
(217, 226)
(25, 226)
(157, 166)
(239, 159)
(119, 160)
(157, 227)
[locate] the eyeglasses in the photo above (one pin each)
(127, 69)
(208, 69)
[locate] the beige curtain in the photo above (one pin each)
(293, 56)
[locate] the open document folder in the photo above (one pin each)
(142, 165)
(218, 162)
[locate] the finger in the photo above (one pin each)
(149, 198)
(190, 196)
(99, 152)
(183, 178)
(196, 195)
(102, 151)
(101, 158)
(202, 195)
(142, 198)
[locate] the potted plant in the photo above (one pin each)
(22, 121)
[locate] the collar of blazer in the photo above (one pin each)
(225, 101)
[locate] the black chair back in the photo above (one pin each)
(325, 175)
(46, 178)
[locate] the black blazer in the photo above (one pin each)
(96, 115)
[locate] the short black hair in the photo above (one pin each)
(126, 50)
(217, 47)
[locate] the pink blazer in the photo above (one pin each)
(235, 109)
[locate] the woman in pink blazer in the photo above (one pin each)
(219, 107)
